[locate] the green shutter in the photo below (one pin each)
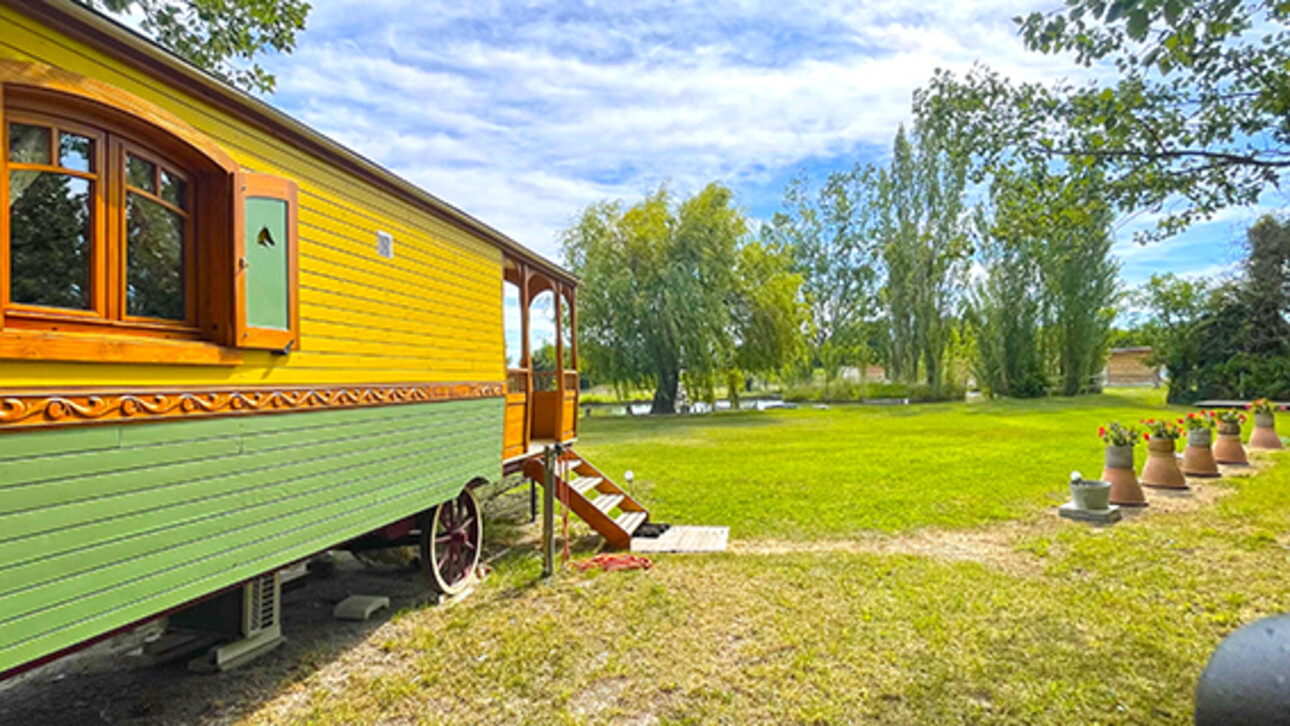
(267, 247)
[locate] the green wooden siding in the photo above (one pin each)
(103, 526)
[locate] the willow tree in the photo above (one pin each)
(676, 290)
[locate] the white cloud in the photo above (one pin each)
(524, 113)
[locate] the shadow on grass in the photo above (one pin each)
(106, 684)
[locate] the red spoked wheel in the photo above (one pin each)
(452, 536)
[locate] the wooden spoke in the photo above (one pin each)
(451, 540)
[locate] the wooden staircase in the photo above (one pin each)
(594, 498)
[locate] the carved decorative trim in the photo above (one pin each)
(44, 409)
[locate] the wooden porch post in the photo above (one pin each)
(558, 289)
(525, 362)
(573, 325)
(573, 353)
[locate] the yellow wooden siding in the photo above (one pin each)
(433, 313)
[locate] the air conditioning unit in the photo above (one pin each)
(251, 614)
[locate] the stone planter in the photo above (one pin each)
(1124, 489)
(1162, 469)
(1265, 433)
(1091, 495)
(1198, 459)
(1228, 449)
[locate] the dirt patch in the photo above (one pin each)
(998, 545)
(994, 547)
(597, 698)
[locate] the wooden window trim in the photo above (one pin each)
(41, 333)
(30, 315)
(263, 185)
(121, 148)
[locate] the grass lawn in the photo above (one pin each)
(872, 579)
(807, 473)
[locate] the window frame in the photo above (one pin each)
(30, 90)
(115, 138)
(30, 315)
(121, 149)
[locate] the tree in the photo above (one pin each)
(670, 291)
(831, 237)
(1005, 308)
(1232, 339)
(1197, 112)
(1177, 308)
(925, 247)
(767, 316)
(220, 36)
(1045, 307)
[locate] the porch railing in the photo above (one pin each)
(552, 417)
(516, 431)
(544, 381)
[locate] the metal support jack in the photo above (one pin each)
(550, 456)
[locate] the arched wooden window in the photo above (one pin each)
(103, 223)
(120, 224)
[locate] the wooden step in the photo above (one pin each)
(584, 484)
(629, 521)
(607, 502)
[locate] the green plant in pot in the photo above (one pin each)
(1118, 470)
(1089, 494)
(1198, 457)
(1265, 425)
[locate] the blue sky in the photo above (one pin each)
(522, 113)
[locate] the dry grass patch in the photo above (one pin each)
(1038, 622)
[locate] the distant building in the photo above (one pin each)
(873, 374)
(1129, 367)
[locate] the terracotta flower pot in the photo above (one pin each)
(1228, 449)
(1265, 433)
(1162, 469)
(1198, 459)
(1124, 482)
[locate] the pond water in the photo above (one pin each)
(642, 409)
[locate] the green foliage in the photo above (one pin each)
(837, 391)
(1196, 112)
(1133, 337)
(675, 291)
(1044, 308)
(830, 236)
(925, 251)
(1231, 340)
(221, 36)
(1117, 434)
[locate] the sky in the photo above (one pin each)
(523, 113)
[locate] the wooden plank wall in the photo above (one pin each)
(103, 526)
(433, 313)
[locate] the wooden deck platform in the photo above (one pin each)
(685, 539)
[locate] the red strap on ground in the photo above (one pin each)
(611, 562)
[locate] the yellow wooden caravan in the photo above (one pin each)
(228, 343)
